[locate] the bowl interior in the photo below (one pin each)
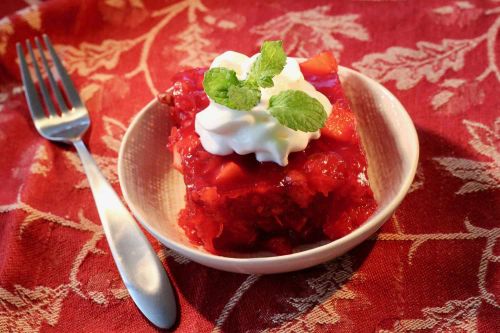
(155, 191)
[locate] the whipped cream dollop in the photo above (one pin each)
(223, 130)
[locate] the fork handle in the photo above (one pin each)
(139, 267)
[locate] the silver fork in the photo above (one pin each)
(139, 267)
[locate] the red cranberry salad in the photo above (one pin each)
(269, 152)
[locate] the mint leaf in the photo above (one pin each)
(243, 97)
(222, 86)
(216, 83)
(297, 110)
(269, 63)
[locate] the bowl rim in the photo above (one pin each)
(374, 222)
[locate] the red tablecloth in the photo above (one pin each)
(434, 267)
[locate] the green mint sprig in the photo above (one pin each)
(292, 108)
(297, 110)
(269, 63)
(222, 85)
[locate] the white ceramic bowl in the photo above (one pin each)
(154, 191)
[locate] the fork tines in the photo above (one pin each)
(32, 95)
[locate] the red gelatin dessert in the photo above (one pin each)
(235, 203)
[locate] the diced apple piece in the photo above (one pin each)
(229, 172)
(299, 189)
(209, 195)
(320, 64)
(325, 171)
(176, 159)
(340, 125)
